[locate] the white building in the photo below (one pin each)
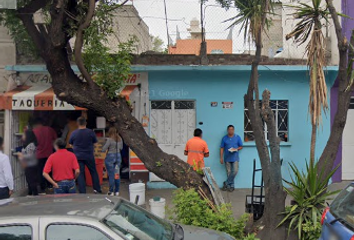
(291, 49)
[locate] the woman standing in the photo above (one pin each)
(29, 161)
(113, 146)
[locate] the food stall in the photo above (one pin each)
(34, 97)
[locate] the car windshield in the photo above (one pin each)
(137, 224)
(343, 206)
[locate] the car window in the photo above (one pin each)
(15, 233)
(138, 224)
(343, 206)
(74, 232)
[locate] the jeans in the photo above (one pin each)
(231, 171)
(4, 193)
(91, 165)
(32, 180)
(112, 160)
(66, 186)
(42, 181)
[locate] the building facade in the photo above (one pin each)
(346, 149)
(179, 99)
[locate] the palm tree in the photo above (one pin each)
(252, 16)
(310, 28)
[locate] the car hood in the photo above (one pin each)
(195, 233)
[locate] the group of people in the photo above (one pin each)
(197, 149)
(51, 162)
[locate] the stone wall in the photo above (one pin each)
(214, 59)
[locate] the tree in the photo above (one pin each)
(157, 44)
(345, 89)
(89, 22)
(310, 26)
(252, 17)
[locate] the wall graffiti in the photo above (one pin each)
(38, 78)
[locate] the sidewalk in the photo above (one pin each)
(236, 198)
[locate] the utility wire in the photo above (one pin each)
(168, 35)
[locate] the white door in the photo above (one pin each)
(172, 124)
(348, 146)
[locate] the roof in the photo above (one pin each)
(93, 206)
(151, 68)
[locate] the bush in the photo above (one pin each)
(309, 195)
(190, 209)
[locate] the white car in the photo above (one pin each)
(90, 217)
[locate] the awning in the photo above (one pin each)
(127, 91)
(38, 98)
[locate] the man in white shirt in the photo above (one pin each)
(6, 179)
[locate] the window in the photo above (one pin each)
(15, 233)
(74, 232)
(280, 110)
(217, 51)
(351, 106)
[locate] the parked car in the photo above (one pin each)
(90, 217)
(338, 219)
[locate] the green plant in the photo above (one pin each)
(311, 230)
(250, 237)
(309, 194)
(191, 209)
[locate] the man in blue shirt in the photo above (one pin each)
(82, 141)
(229, 153)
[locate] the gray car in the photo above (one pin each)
(89, 217)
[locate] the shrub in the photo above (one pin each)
(309, 193)
(190, 209)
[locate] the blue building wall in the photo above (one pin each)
(230, 86)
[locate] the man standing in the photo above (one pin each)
(6, 178)
(64, 167)
(196, 150)
(229, 148)
(82, 141)
(45, 138)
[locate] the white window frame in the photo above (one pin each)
(276, 112)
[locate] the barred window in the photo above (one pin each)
(280, 109)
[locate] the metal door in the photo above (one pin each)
(348, 146)
(172, 124)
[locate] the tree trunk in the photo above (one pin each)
(345, 90)
(271, 165)
(70, 88)
(313, 143)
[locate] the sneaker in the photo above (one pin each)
(97, 192)
(231, 189)
(110, 194)
(116, 194)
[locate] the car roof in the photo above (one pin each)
(93, 206)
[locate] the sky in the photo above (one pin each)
(181, 12)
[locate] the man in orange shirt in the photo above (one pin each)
(196, 150)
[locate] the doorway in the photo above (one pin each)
(348, 145)
(172, 124)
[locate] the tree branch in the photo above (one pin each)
(80, 40)
(33, 7)
(336, 22)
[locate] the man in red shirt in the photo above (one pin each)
(45, 137)
(64, 167)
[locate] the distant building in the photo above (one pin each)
(127, 24)
(192, 45)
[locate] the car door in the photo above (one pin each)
(58, 228)
(19, 228)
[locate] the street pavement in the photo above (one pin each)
(236, 198)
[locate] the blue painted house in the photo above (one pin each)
(179, 98)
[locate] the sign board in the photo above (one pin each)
(214, 104)
(8, 4)
(98, 148)
(227, 105)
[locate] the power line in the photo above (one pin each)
(168, 35)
